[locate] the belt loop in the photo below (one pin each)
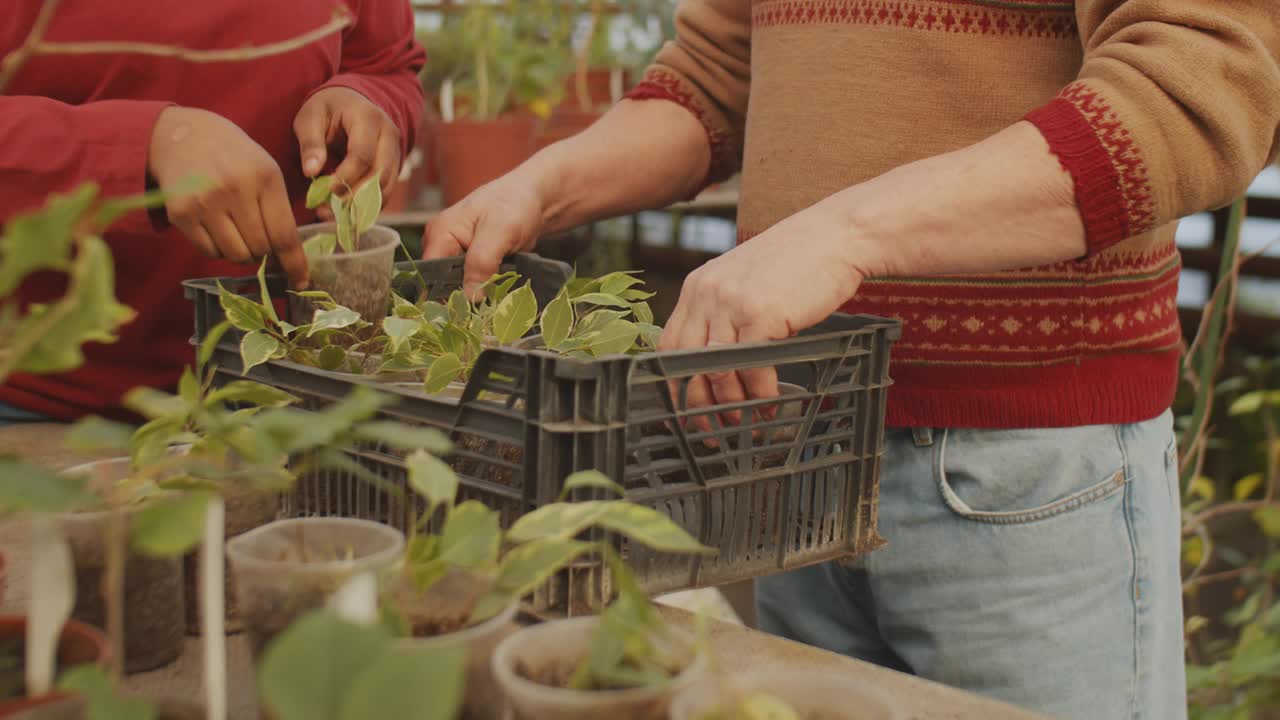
(923, 436)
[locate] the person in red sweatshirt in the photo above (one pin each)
(255, 130)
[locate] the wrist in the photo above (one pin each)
(854, 223)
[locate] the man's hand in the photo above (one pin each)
(769, 288)
(360, 133)
(501, 218)
(243, 212)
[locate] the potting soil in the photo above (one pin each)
(154, 609)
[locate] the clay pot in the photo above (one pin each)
(79, 644)
(470, 154)
(599, 88)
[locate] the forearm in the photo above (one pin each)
(1002, 204)
(640, 155)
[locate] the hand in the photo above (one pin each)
(769, 288)
(501, 218)
(242, 212)
(367, 140)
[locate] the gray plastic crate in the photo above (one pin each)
(774, 495)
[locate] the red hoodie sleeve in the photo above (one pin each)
(51, 147)
(381, 60)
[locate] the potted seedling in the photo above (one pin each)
(351, 259)
(625, 664)
(460, 585)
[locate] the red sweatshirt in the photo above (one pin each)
(70, 119)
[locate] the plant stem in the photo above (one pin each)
(482, 82)
(16, 59)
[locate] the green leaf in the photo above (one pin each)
(320, 297)
(1200, 677)
(27, 488)
(210, 343)
(42, 239)
(151, 441)
(1246, 612)
(616, 282)
(331, 357)
(1247, 485)
(319, 191)
(650, 334)
(601, 299)
(557, 321)
(256, 348)
(615, 338)
(590, 479)
(497, 287)
(1268, 518)
(563, 520)
(250, 392)
(444, 370)
(402, 308)
(346, 231)
(471, 536)
(1248, 404)
(307, 672)
(399, 330)
(94, 434)
(431, 478)
(171, 527)
(460, 307)
(404, 437)
(596, 320)
(267, 307)
(1202, 487)
(242, 313)
(366, 205)
(515, 315)
(151, 403)
(642, 312)
(102, 700)
(335, 319)
(636, 296)
(526, 567)
(410, 682)
(649, 527)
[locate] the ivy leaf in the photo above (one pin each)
(256, 348)
(408, 681)
(650, 527)
(319, 245)
(168, 528)
(615, 338)
(398, 330)
(307, 671)
(444, 370)
(331, 357)
(346, 231)
(515, 315)
(404, 437)
(590, 479)
(319, 191)
(471, 536)
(431, 478)
(247, 391)
(366, 205)
(601, 299)
(95, 434)
(243, 313)
(33, 488)
(335, 319)
(557, 320)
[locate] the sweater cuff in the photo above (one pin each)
(374, 90)
(1111, 188)
(660, 84)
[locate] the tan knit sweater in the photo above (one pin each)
(1158, 109)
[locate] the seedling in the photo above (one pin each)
(354, 212)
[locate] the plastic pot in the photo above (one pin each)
(153, 597)
(813, 695)
(470, 154)
(289, 567)
(359, 280)
(453, 597)
(79, 644)
(557, 647)
(244, 512)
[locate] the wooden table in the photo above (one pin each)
(739, 648)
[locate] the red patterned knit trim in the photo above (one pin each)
(659, 84)
(1113, 190)
(1052, 20)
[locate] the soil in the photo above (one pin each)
(481, 470)
(362, 286)
(244, 512)
(13, 682)
(275, 609)
(558, 675)
(154, 613)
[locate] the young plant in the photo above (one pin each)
(503, 567)
(354, 212)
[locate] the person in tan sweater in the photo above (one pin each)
(1005, 178)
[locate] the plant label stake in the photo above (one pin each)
(446, 101)
(212, 602)
(615, 85)
(52, 595)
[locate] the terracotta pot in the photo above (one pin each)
(599, 87)
(79, 644)
(471, 154)
(4, 574)
(566, 122)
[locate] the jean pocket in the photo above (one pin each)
(1021, 476)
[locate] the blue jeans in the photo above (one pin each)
(1038, 567)
(10, 415)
